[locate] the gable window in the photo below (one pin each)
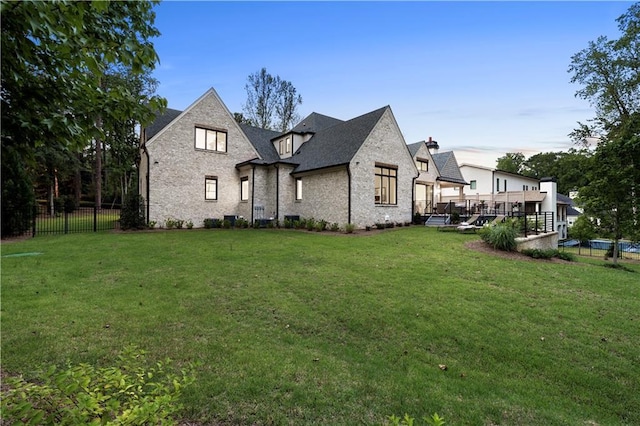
(474, 184)
(281, 147)
(386, 185)
(244, 189)
(299, 189)
(211, 140)
(210, 188)
(422, 165)
(287, 143)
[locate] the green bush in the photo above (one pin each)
(335, 227)
(349, 228)
(540, 254)
(241, 223)
(212, 223)
(311, 224)
(132, 215)
(501, 236)
(128, 393)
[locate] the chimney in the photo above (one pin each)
(432, 146)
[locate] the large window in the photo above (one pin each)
(299, 189)
(210, 188)
(422, 165)
(244, 189)
(474, 184)
(211, 140)
(386, 185)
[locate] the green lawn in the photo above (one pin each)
(296, 327)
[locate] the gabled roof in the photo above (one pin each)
(314, 123)
(161, 121)
(261, 140)
(414, 147)
(448, 168)
(571, 211)
(336, 145)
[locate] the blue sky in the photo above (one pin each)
(481, 78)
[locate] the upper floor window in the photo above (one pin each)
(386, 185)
(474, 184)
(287, 144)
(210, 188)
(284, 146)
(497, 184)
(422, 165)
(211, 140)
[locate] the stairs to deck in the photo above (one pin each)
(437, 220)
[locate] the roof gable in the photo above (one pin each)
(336, 145)
(161, 121)
(261, 141)
(314, 123)
(447, 166)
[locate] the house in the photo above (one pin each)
(439, 172)
(496, 192)
(200, 163)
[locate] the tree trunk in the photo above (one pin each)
(98, 170)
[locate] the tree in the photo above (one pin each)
(609, 71)
(569, 168)
(582, 230)
(50, 90)
(271, 102)
(511, 162)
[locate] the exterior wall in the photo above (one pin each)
(427, 178)
(177, 170)
(486, 177)
(287, 192)
(540, 242)
(325, 195)
(384, 145)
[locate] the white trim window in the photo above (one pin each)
(244, 189)
(298, 188)
(386, 185)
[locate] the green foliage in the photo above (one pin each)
(501, 236)
(310, 224)
(152, 224)
(407, 420)
(583, 229)
(511, 162)
(565, 255)
(349, 228)
(212, 223)
(132, 215)
(380, 225)
(334, 227)
(241, 223)
(127, 393)
(189, 224)
(170, 223)
(226, 224)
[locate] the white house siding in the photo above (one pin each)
(385, 145)
(427, 178)
(177, 170)
(324, 196)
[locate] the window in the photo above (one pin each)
(505, 185)
(386, 185)
(474, 184)
(497, 184)
(281, 147)
(210, 188)
(288, 145)
(422, 165)
(299, 189)
(244, 189)
(211, 140)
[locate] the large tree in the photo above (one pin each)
(511, 162)
(271, 102)
(51, 88)
(609, 72)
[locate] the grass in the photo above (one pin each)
(296, 327)
(81, 220)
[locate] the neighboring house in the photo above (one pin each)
(572, 212)
(485, 180)
(200, 163)
(438, 172)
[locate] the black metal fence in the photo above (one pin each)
(81, 219)
(601, 248)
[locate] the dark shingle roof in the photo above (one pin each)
(336, 145)
(161, 121)
(448, 168)
(414, 147)
(261, 140)
(571, 211)
(315, 122)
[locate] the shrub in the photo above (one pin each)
(311, 224)
(569, 257)
(417, 218)
(288, 223)
(349, 228)
(226, 224)
(212, 223)
(189, 224)
(540, 254)
(132, 215)
(380, 225)
(169, 223)
(152, 224)
(335, 227)
(501, 236)
(241, 223)
(127, 393)
(178, 223)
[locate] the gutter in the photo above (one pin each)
(253, 190)
(277, 191)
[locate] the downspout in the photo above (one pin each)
(348, 193)
(277, 191)
(413, 197)
(144, 148)
(253, 190)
